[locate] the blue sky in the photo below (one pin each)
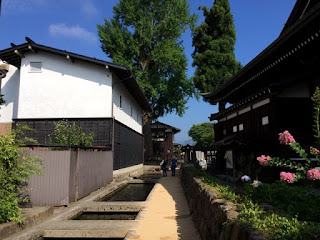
(71, 25)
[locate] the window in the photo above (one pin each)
(265, 120)
(35, 66)
(235, 128)
(131, 112)
(120, 101)
(241, 127)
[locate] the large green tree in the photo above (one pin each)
(202, 134)
(145, 35)
(213, 42)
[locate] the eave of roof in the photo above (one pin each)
(14, 54)
(300, 8)
(241, 103)
(226, 89)
(176, 130)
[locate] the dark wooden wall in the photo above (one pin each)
(292, 114)
(101, 127)
(128, 147)
(128, 144)
(160, 148)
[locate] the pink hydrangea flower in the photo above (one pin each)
(264, 160)
(313, 174)
(286, 137)
(287, 177)
(314, 151)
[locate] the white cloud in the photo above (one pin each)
(72, 32)
(89, 8)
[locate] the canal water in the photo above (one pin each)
(132, 192)
(106, 216)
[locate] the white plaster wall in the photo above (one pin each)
(64, 89)
(123, 114)
(10, 90)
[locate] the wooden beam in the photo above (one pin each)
(69, 58)
(29, 40)
(19, 53)
(33, 50)
(4, 67)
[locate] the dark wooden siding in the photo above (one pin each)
(292, 114)
(128, 147)
(128, 144)
(160, 148)
(101, 127)
(253, 129)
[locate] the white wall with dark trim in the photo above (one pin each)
(123, 113)
(64, 89)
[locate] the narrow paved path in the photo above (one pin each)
(167, 214)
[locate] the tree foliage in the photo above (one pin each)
(15, 171)
(213, 43)
(145, 36)
(66, 133)
(202, 134)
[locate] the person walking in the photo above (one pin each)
(173, 165)
(163, 166)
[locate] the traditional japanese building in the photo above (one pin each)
(44, 85)
(163, 140)
(272, 93)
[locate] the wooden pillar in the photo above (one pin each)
(77, 178)
(222, 106)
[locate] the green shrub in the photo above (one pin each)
(271, 224)
(66, 133)
(294, 201)
(15, 170)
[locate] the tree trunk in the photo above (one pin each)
(148, 149)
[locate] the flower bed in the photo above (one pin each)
(220, 213)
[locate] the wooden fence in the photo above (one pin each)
(69, 175)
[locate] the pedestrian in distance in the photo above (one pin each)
(163, 166)
(173, 165)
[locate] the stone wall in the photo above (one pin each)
(213, 216)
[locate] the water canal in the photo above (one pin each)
(131, 192)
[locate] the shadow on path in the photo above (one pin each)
(167, 215)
